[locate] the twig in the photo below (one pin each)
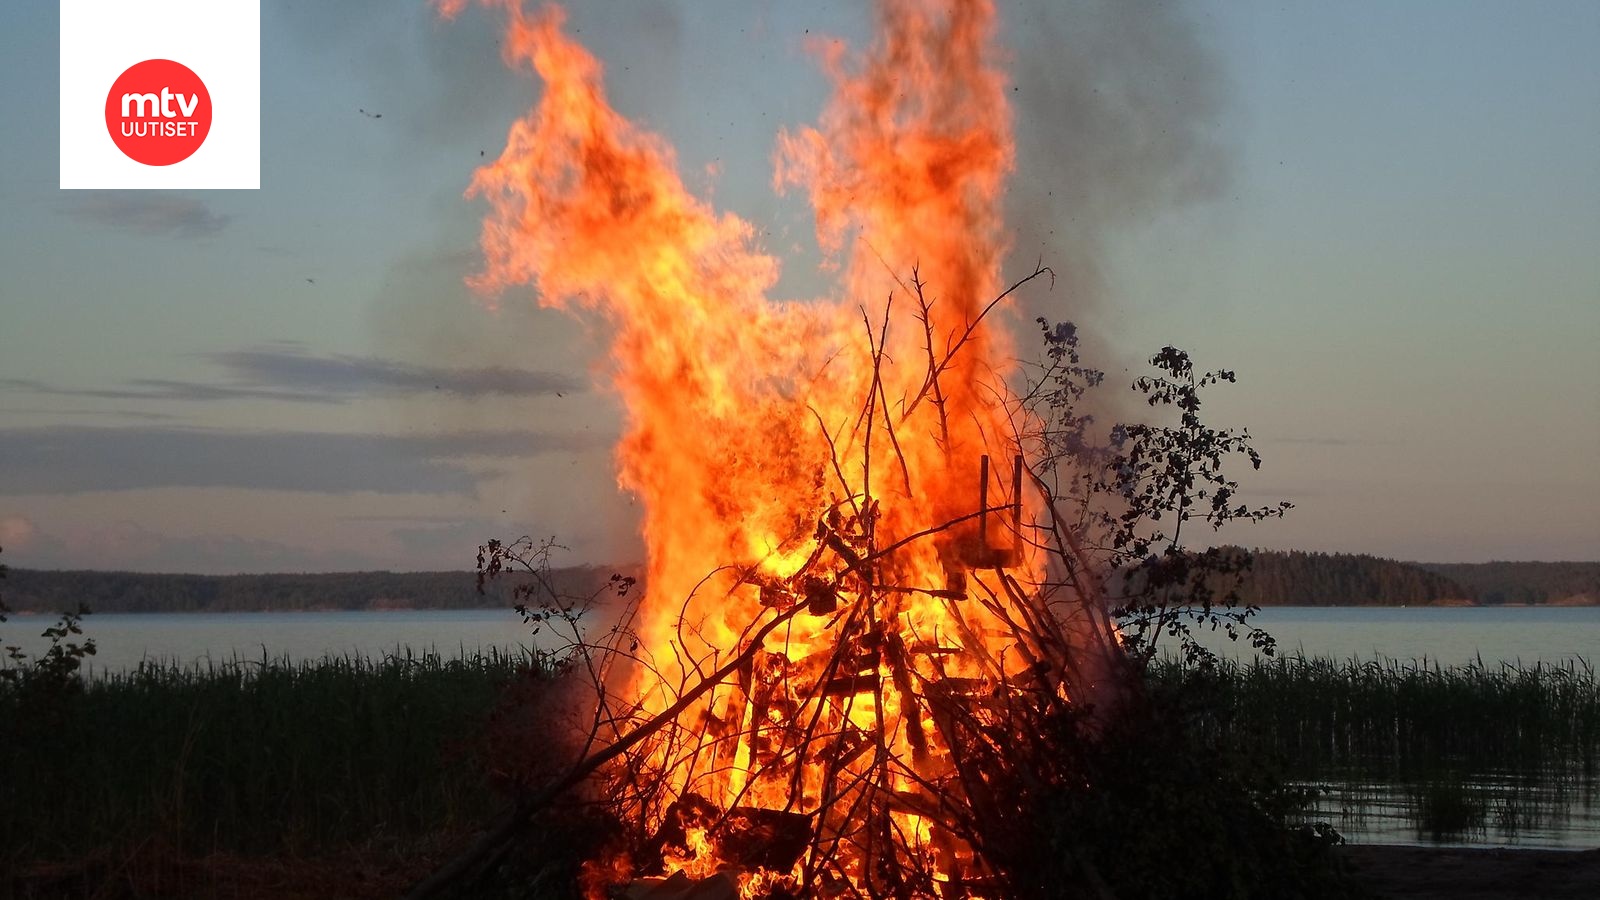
(508, 826)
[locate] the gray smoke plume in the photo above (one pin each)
(1118, 107)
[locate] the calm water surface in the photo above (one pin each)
(1451, 636)
(123, 640)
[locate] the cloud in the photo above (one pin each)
(139, 415)
(1322, 441)
(285, 372)
(71, 460)
(291, 369)
(166, 389)
(151, 213)
(129, 546)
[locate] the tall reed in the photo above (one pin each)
(273, 756)
(249, 756)
(1388, 718)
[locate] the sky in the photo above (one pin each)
(1384, 217)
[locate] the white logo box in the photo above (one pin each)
(219, 39)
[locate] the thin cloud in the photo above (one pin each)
(292, 369)
(150, 213)
(131, 546)
(136, 414)
(284, 372)
(166, 389)
(72, 460)
(1323, 441)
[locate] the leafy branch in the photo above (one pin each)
(1137, 491)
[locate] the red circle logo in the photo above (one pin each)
(158, 112)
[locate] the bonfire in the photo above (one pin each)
(858, 591)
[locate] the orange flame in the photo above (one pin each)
(751, 422)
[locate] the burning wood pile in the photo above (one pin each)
(841, 763)
(859, 595)
(846, 743)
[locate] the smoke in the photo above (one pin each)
(446, 100)
(1119, 107)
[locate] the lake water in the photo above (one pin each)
(1450, 635)
(123, 640)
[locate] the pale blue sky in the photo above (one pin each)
(1384, 216)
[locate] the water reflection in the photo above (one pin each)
(1503, 809)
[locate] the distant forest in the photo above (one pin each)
(1298, 578)
(35, 590)
(1293, 578)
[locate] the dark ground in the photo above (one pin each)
(1402, 873)
(1412, 873)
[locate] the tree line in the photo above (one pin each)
(1277, 578)
(35, 590)
(1300, 578)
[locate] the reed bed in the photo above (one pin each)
(1387, 719)
(1412, 750)
(277, 757)
(265, 756)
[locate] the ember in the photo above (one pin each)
(849, 602)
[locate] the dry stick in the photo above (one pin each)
(846, 635)
(857, 786)
(925, 315)
(688, 763)
(869, 410)
(578, 645)
(875, 344)
(1094, 592)
(972, 328)
(755, 723)
(973, 643)
(511, 823)
(900, 671)
(1072, 673)
(883, 397)
(926, 532)
(1021, 634)
(869, 601)
(830, 774)
(833, 454)
(809, 735)
(836, 766)
(604, 713)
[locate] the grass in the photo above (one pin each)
(274, 758)
(1466, 752)
(252, 757)
(1403, 720)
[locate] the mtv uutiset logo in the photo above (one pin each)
(158, 128)
(160, 94)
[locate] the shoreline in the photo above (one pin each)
(1398, 871)
(1422, 872)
